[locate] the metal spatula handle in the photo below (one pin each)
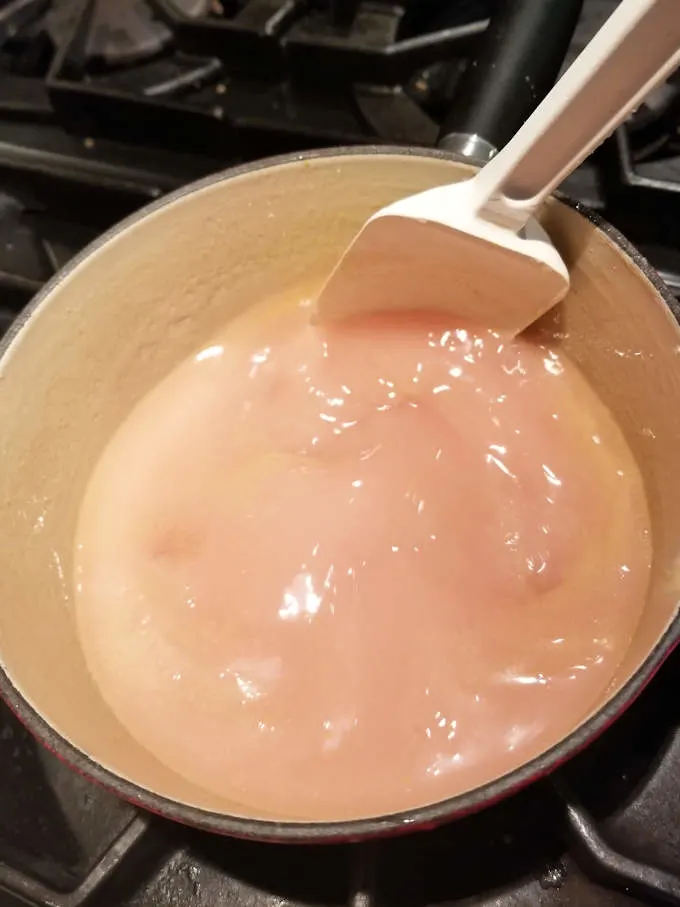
(636, 49)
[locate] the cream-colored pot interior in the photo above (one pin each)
(151, 294)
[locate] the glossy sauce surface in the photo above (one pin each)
(331, 573)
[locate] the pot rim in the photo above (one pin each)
(413, 819)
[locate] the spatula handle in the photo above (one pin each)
(637, 48)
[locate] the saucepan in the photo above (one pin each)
(148, 293)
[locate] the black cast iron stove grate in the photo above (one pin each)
(107, 105)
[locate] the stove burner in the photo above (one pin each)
(16, 15)
(194, 8)
(123, 32)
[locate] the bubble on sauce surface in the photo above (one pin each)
(338, 573)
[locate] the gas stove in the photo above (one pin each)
(105, 106)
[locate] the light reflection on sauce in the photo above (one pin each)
(343, 573)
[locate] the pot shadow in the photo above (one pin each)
(54, 824)
(232, 871)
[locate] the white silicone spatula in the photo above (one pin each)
(474, 249)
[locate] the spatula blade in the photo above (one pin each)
(402, 263)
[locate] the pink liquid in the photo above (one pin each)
(330, 574)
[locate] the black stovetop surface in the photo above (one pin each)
(104, 106)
